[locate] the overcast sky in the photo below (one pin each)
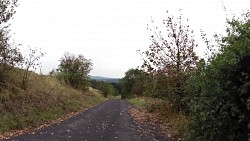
(108, 31)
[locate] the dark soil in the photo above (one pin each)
(109, 121)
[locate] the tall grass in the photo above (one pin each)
(173, 121)
(45, 99)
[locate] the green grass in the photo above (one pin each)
(45, 100)
(115, 97)
(32, 118)
(140, 102)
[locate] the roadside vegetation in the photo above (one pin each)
(195, 98)
(199, 98)
(45, 100)
(108, 89)
(28, 99)
(157, 111)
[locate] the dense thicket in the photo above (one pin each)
(220, 90)
(106, 88)
(134, 83)
(214, 94)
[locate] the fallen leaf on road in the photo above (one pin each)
(147, 123)
(31, 130)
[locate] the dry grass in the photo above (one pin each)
(45, 99)
(172, 122)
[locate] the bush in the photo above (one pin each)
(74, 70)
(220, 103)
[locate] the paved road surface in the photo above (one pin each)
(108, 121)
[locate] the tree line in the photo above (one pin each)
(107, 88)
(213, 92)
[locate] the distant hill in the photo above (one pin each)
(106, 79)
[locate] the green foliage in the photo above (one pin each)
(9, 53)
(45, 99)
(219, 91)
(23, 104)
(138, 102)
(117, 87)
(74, 70)
(105, 87)
(7, 122)
(33, 116)
(133, 83)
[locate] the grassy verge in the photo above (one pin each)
(172, 122)
(45, 100)
(140, 102)
(116, 97)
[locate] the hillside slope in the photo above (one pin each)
(45, 99)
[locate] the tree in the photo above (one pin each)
(30, 61)
(106, 88)
(74, 70)
(7, 10)
(220, 107)
(133, 83)
(171, 56)
(9, 53)
(117, 87)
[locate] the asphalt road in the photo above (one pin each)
(109, 121)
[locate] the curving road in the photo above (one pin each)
(108, 121)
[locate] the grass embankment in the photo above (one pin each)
(172, 122)
(45, 100)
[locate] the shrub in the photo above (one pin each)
(220, 104)
(74, 70)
